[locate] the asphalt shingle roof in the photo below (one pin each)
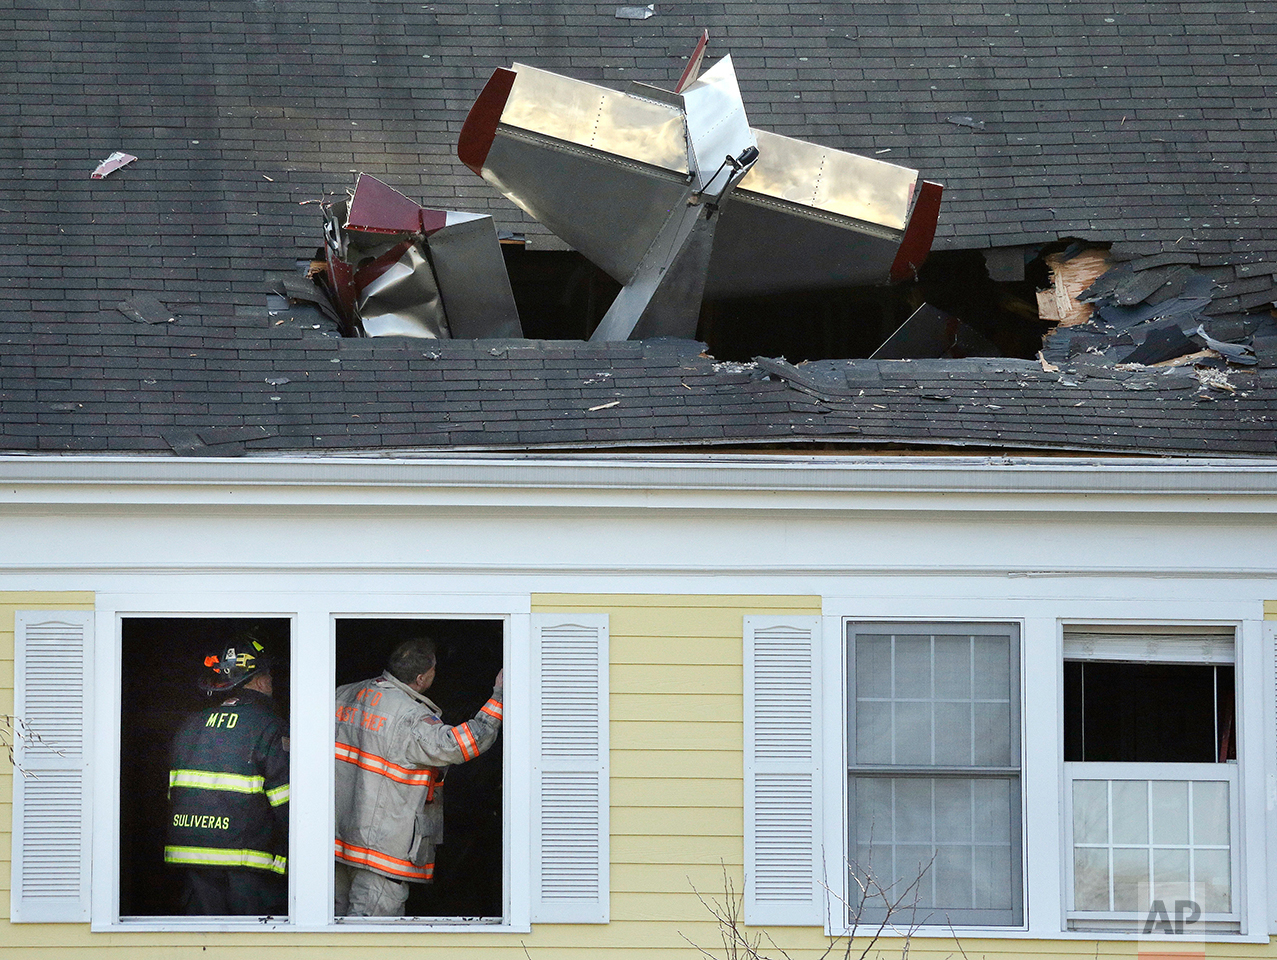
(1147, 123)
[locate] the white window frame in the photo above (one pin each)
(928, 625)
(1043, 615)
(1155, 643)
(1106, 921)
(313, 630)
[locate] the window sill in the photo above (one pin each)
(358, 925)
(1091, 936)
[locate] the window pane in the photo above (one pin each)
(912, 809)
(873, 732)
(992, 880)
(953, 734)
(873, 666)
(953, 810)
(1130, 879)
(953, 668)
(1170, 873)
(1091, 878)
(913, 667)
(992, 667)
(1151, 851)
(1130, 812)
(928, 826)
(1090, 811)
(1214, 880)
(992, 799)
(1210, 813)
(1170, 811)
(953, 875)
(993, 734)
(874, 822)
(913, 733)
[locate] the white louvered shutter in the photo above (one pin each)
(782, 771)
(1270, 765)
(570, 769)
(53, 651)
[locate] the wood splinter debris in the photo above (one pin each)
(604, 406)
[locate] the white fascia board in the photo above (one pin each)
(674, 481)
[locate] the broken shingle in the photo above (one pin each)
(144, 308)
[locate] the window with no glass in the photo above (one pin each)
(445, 854)
(203, 780)
(934, 768)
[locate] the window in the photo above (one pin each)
(934, 773)
(535, 849)
(1150, 754)
(161, 661)
(468, 865)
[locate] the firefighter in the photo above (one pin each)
(392, 752)
(228, 791)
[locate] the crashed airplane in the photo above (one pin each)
(638, 182)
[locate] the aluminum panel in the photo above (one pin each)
(830, 180)
(597, 117)
(405, 301)
(760, 249)
(716, 124)
(473, 281)
(607, 210)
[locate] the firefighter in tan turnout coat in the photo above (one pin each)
(392, 751)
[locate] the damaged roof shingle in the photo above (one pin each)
(1110, 123)
(186, 399)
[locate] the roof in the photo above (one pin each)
(1149, 124)
(162, 390)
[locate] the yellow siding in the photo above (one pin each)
(1270, 609)
(677, 756)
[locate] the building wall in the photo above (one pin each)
(1007, 544)
(676, 678)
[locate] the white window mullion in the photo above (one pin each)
(51, 835)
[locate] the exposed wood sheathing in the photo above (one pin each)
(1069, 277)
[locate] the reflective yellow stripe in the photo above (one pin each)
(224, 857)
(278, 795)
(212, 780)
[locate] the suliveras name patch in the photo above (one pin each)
(201, 822)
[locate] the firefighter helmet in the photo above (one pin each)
(237, 663)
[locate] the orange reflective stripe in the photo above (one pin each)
(492, 708)
(419, 776)
(466, 741)
(372, 858)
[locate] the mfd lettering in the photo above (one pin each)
(222, 719)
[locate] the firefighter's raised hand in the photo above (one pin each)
(500, 682)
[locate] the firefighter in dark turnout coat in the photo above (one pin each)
(228, 792)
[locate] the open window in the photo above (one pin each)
(161, 662)
(934, 788)
(469, 863)
(1150, 750)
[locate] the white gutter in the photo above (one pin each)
(634, 479)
